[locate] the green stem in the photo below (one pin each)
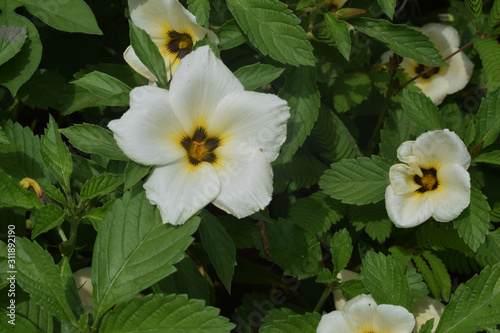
(322, 299)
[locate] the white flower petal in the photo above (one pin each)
(180, 190)
(452, 195)
(246, 180)
(359, 311)
(444, 37)
(425, 309)
(436, 88)
(333, 322)
(408, 210)
(151, 16)
(459, 72)
(149, 132)
(401, 177)
(338, 297)
(204, 82)
(133, 61)
(256, 120)
(392, 319)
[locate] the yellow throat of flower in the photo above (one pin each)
(428, 181)
(200, 147)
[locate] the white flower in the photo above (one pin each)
(441, 81)
(211, 140)
(362, 315)
(425, 309)
(433, 182)
(171, 27)
(84, 286)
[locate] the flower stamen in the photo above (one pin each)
(200, 147)
(179, 44)
(428, 182)
(421, 68)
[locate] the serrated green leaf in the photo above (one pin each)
(11, 40)
(102, 84)
(374, 219)
(134, 249)
(290, 322)
(488, 119)
(257, 75)
(302, 94)
(385, 280)
(440, 272)
(474, 305)
(494, 17)
(420, 108)
(20, 324)
(230, 35)
(71, 16)
(148, 53)
(55, 154)
(133, 173)
(441, 236)
(94, 139)
(100, 185)
(169, 313)
(300, 172)
(353, 288)
(274, 30)
(332, 139)
(428, 326)
(12, 194)
(475, 8)
(37, 316)
(350, 89)
(430, 279)
(316, 213)
(416, 283)
(341, 246)
(97, 215)
(201, 10)
(219, 247)
(403, 40)
(41, 278)
(357, 181)
(46, 218)
(490, 158)
(15, 72)
(474, 222)
(489, 52)
(388, 7)
(341, 34)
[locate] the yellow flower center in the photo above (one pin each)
(200, 147)
(421, 68)
(428, 181)
(179, 44)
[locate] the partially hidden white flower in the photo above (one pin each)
(425, 309)
(85, 289)
(171, 27)
(433, 182)
(210, 140)
(362, 314)
(441, 81)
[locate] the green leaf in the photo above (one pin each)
(353, 288)
(302, 94)
(11, 40)
(71, 16)
(290, 322)
(441, 236)
(55, 154)
(43, 90)
(488, 119)
(420, 108)
(230, 35)
(134, 249)
(388, 7)
(15, 72)
(274, 30)
(341, 34)
(357, 181)
(12, 194)
(41, 278)
(165, 313)
(417, 285)
(385, 280)
(494, 17)
(101, 185)
(3, 138)
(341, 246)
(440, 272)
(475, 8)
(374, 219)
(474, 222)
(300, 172)
(489, 52)
(240, 230)
(428, 326)
(332, 139)
(201, 10)
(20, 324)
(102, 84)
(257, 75)
(403, 40)
(350, 89)
(219, 247)
(46, 218)
(316, 213)
(94, 139)
(474, 305)
(133, 173)
(148, 53)
(491, 158)
(427, 274)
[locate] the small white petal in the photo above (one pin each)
(452, 195)
(180, 190)
(401, 177)
(149, 133)
(246, 180)
(338, 297)
(359, 311)
(133, 61)
(151, 16)
(408, 210)
(393, 319)
(333, 322)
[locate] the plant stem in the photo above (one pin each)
(323, 298)
(61, 234)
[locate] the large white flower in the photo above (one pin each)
(433, 182)
(211, 140)
(362, 315)
(441, 81)
(171, 26)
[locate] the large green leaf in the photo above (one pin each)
(489, 52)
(302, 94)
(350, 89)
(274, 30)
(491, 158)
(133, 173)
(169, 313)
(474, 305)
(102, 84)
(341, 34)
(46, 218)
(357, 181)
(39, 276)
(420, 108)
(280, 321)
(94, 139)
(134, 249)
(230, 35)
(257, 75)
(219, 247)
(341, 246)
(373, 218)
(301, 171)
(11, 40)
(440, 272)
(488, 119)
(388, 7)
(12, 194)
(201, 10)
(403, 40)
(101, 185)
